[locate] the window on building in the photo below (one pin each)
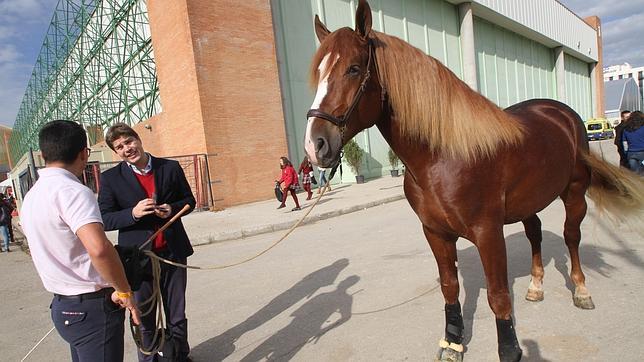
(620, 76)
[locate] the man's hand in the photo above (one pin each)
(144, 207)
(128, 302)
(163, 211)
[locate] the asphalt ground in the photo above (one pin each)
(363, 287)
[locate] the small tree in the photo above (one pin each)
(353, 154)
(393, 159)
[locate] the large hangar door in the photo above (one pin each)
(578, 87)
(510, 67)
(431, 25)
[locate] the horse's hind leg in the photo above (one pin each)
(532, 227)
(444, 249)
(575, 204)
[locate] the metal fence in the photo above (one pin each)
(195, 167)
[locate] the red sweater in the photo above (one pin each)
(289, 177)
(147, 182)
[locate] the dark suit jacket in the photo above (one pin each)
(120, 191)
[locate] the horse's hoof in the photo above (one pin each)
(511, 353)
(449, 352)
(534, 295)
(585, 302)
(448, 355)
(513, 357)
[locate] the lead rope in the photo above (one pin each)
(156, 300)
(37, 344)
(153, 256)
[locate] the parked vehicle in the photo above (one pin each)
(599, 129)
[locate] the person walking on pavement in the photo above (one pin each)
(289, 180)
(306, 169)
(137, 197)
(323, 180)
(73, 257)
(11, 202)
(618, 138)
(5, 222)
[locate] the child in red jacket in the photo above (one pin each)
(290, 181)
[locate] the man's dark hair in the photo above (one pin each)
(622, 113)
(61, 141)
(117, 131)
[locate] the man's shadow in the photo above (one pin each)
(553, 250)
(311, 321)
(223, 345)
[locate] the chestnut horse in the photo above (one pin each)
(471, 167)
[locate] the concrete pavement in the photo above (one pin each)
(293, 302)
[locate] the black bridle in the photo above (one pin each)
(342, 120)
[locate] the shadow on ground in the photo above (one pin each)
(518, 248)
(309, 322)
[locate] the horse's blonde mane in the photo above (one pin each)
(432, 105)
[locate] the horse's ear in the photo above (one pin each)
(320, 29)
(363, 19)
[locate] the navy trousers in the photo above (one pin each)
(173, 291)
(92, 325)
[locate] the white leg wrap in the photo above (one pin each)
(453, 346)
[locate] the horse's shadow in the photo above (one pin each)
(306, 324)
(553, 250)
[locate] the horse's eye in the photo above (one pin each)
(353, 70)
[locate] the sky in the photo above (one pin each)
(24, 23)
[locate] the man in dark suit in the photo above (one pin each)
(136, 197)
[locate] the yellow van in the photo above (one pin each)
(599, 129)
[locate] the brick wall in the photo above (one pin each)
(599, 110)
(178, 130)
(220, 92)
(234, 49)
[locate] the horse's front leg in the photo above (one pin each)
(444, 249)
(491, 244)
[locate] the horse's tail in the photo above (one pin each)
(615, 190)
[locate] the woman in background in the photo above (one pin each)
(290, 181)
(323, 180)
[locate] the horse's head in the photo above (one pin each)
(348, 97)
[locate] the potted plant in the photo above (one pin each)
(354, 154)
(393, 161)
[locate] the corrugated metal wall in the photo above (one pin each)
(431, 25)
(578, 87)
(511, 68)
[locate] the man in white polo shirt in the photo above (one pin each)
(72, 255)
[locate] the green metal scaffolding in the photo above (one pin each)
(96, 66)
